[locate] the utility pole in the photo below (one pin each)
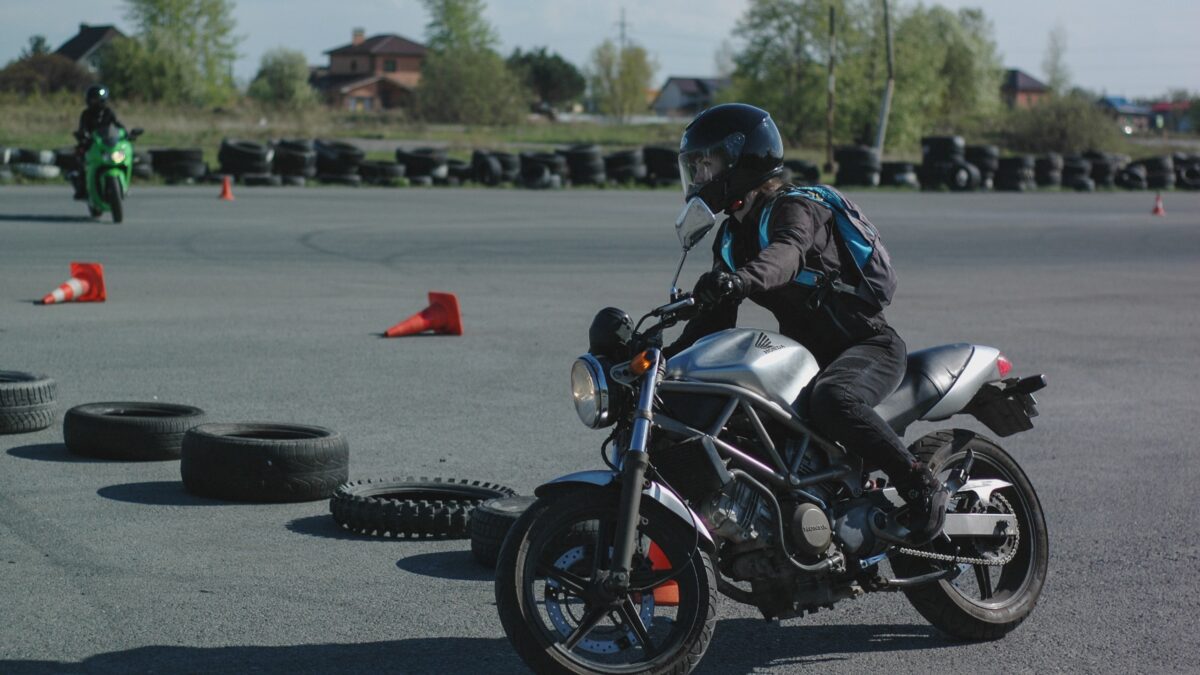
(622, 24)
(829, 167)
(886, 107)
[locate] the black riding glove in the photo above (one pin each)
(713, 288)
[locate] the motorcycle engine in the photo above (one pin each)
(738, 513)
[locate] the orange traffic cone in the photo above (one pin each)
(226, 190)
(665, 595)
(85, 285)
(1158, 209)
(441, 316)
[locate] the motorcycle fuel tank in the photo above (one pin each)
(766, 363)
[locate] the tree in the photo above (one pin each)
(282, 79)
(131, 70)
(197, 32)
(37, 47)
(1058, 78)
(549, 76)
(619, 78)
(44, 74)
(1070, 123)
(463, 79)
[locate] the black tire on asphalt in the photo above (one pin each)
(424, 162)
(490, 523)
(942, 148)
(486, 168)
(27, 402)
(337, 157)
(1020, 582)
(986, 157)
(510, 166)
(294, 181)
(129, 430)
(260, 180)
(263, 462)
(421, 508)
(350, 179)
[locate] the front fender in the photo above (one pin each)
(608, 480)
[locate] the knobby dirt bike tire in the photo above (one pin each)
(411, 508)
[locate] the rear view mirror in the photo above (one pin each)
(693, 223)
(135, 133)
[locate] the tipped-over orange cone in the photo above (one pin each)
(441, 316)
(85, 285)
(226, 190)
(1158, 209)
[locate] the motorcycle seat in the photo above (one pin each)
(929, 375)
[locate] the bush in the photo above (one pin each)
(283, 79)
(1065, 124)
(44, 74)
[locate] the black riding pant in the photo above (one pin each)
(845, 393)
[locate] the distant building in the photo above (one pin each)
(686, 96)
(84, 48)
(1131, 117)
(1021, 90)
(1172, 115)
(373, 73)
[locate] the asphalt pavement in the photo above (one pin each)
(271, 308)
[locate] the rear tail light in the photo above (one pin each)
(1003, 365)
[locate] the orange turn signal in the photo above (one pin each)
(641, 363)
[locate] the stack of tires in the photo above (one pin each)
(28, 402)
(386, 174)
(458, 172)
(585, 165)
(625, 166)
(1015, 174)
(337, 163)
(1104, 167)
(65, 160)
(899, 174)
(179, 165)
(797, 172)
(486, 168)
(1160, 172)
(986, 158)
(35, 164)
(543, 170)
(944, 164)
(510, 166)
(1047, 170)
(295, 161)
(6, 175)
(1132, 177)
(424, 166)
(662, 165)
(857, 165)
(248, 162)
(143, 165)
(1077, 174)
(1187, 171)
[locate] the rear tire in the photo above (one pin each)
(1019, 584)
(112, 190)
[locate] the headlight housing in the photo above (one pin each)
(589, 390)
(117, 156)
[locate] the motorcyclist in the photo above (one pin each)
(95, 116)
(731, 156)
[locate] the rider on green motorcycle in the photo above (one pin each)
(96, 115)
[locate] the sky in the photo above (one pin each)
(1136, 49)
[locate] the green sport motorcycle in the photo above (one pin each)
(108, 166)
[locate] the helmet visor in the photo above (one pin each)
(699, 167)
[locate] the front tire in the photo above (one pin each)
(112, 190)
(557, 545)
(982, 603)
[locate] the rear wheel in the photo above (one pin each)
(553, 608)
(112, 192)
(984, 602)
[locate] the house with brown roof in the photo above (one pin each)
(1021, 90)
(84, 48)
(373, 73)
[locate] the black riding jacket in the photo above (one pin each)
(801, 236)
(92, 119)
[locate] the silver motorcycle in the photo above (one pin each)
(717, 484)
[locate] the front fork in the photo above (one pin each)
(633, 474)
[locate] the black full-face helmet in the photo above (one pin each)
(97, 95)
(726, 152)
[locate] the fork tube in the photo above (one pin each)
(633, 473)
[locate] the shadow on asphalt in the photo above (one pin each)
(325, 526)
(417, 655)
(454, 565)
(43, 218)
(156, 493)
(796, 645)
(51, 452)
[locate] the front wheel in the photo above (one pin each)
(984, 602)
(112, 190)
(557, 614)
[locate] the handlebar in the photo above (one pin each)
(674, 307)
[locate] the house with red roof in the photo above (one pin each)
(375, 73)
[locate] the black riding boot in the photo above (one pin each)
(927, 498)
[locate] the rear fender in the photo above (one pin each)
(654, 490)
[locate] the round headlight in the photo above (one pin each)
(118, 156)
(589, 390)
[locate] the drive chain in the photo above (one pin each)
(960, 560)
